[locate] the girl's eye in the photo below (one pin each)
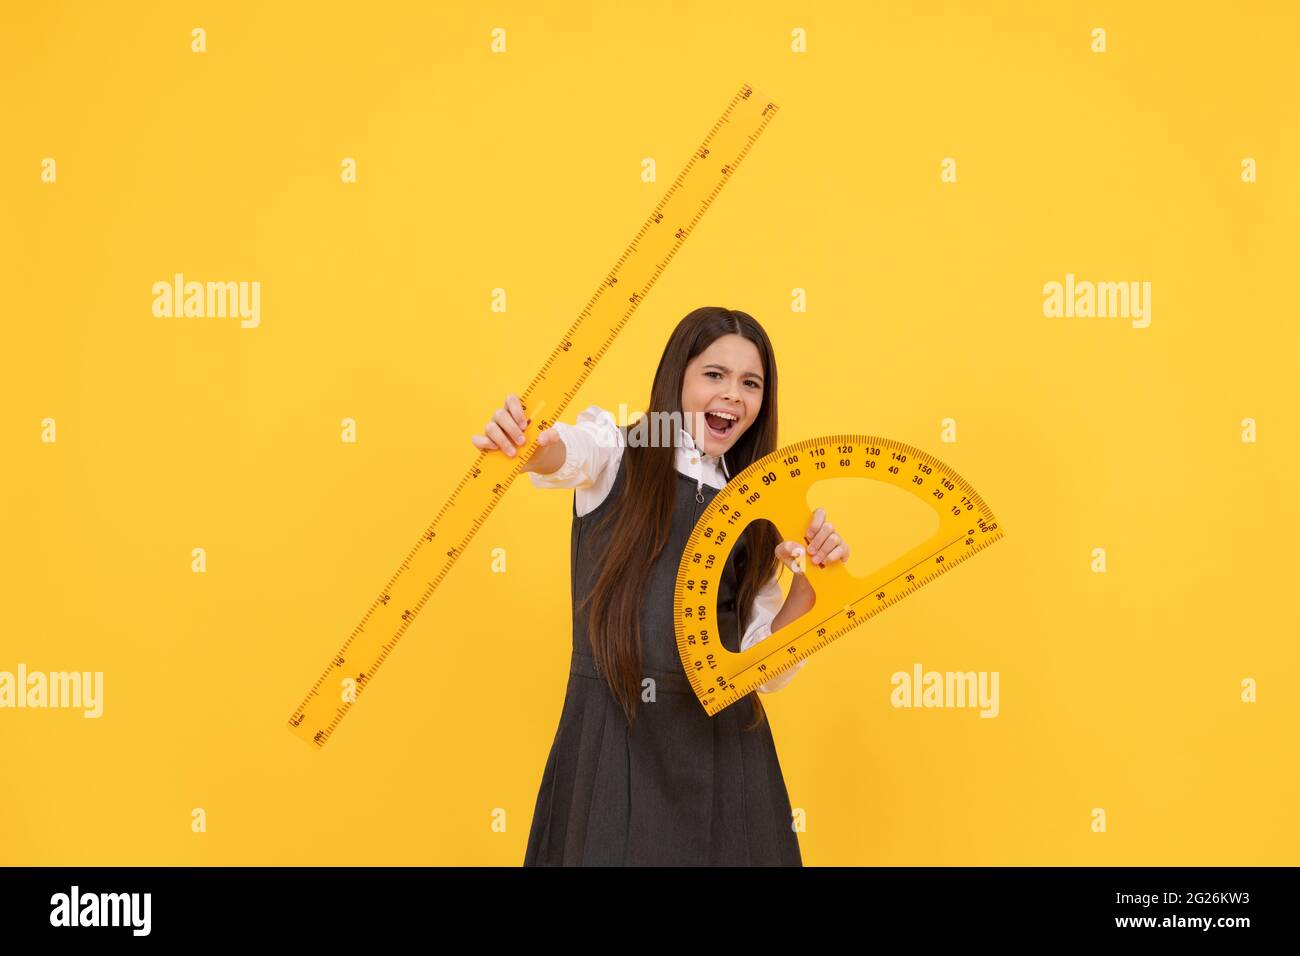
(748, 381)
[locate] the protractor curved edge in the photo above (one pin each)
(774, 488)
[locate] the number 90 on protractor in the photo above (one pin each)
(775, 488)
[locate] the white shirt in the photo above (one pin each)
(593, 450)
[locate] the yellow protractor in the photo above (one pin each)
(350, 671)
(775, 488)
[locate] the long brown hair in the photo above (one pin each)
(645, 508)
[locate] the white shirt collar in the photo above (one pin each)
(694, 462)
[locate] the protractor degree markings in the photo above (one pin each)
(852, 603)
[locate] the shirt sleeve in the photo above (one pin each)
(591, 445)
(767, 604)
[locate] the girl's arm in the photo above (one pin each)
(772, 611)
(823, 545)
(799, 603)
(584, 456)
(548, 458)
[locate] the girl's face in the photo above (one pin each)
(726, 377)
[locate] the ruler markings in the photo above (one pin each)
(694, 190)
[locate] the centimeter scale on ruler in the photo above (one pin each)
(472, 501)
(775, 488)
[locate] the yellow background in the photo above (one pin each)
(521, 170)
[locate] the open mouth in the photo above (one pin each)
(719, 426)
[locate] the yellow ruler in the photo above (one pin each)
(435, 553)
(776, 488)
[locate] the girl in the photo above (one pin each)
(642, 775)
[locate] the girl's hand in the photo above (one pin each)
(505, 430)
(824, 546)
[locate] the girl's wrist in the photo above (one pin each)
(802, 588)
(798, 602)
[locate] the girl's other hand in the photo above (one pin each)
(822, 546)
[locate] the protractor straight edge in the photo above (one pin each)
(775, 488)
(470, 504)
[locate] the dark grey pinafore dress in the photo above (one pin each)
(677, 787)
